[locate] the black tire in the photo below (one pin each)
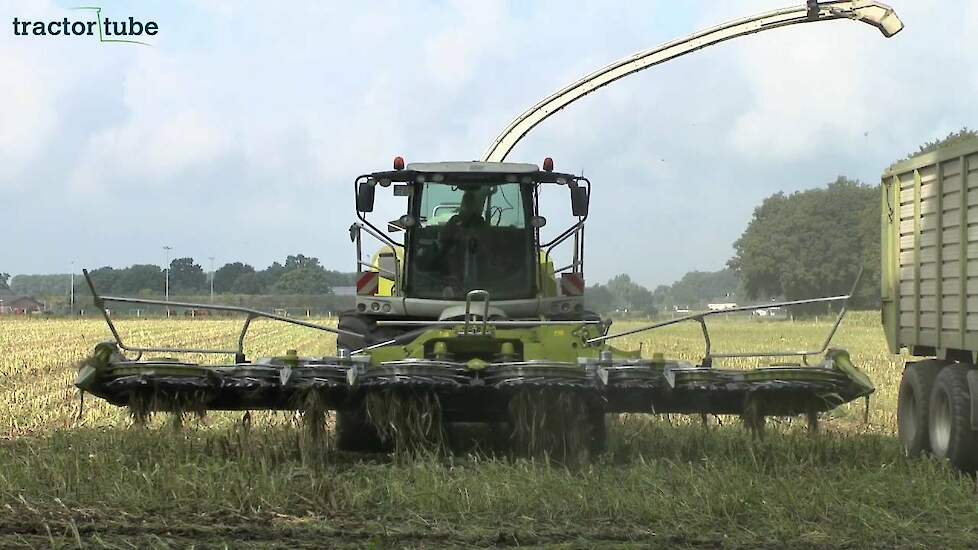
(949, 426)
(365, 325)
(913, 405)
(354, 322)
(599, 432)
(354, 433)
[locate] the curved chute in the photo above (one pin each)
(873, 13)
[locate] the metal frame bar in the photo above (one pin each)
(468, 307)
(701, 319)
(494, 323)
(251, 314)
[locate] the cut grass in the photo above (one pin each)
(664, 481)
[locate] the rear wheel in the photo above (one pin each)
(951, 436)
(913, 405)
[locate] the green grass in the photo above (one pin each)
(665, 481)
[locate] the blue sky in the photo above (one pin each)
(239, 132)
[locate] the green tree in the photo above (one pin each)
(631, 295)
(247, 283)
(104, 279)
(227, 275)
(303, 280)
(4, 277)
(137, 279)
(812, 243)
(599, 299)
(266, 278)
(696, 288)
(187, 277)
(43, 285)
(300, 261)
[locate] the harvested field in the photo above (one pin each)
(96, 480)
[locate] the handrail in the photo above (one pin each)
(252, 314)
(396, 274)
(873, 13)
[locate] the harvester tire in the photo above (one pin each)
(913, 405)
(354, 322)
(599, 432)
(951, 436)
(354, 433)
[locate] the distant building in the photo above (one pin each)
(721, 306)
(19, 305)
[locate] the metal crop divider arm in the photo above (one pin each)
(870, 12)
(701, 319)
(238, 353)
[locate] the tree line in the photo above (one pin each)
(299, 274)
(813, 243)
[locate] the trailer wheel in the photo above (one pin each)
(951, 436)
(913, 405)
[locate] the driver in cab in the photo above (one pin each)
(452, 241)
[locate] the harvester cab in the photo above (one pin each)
(466, 226)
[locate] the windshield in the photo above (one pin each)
(469, 237)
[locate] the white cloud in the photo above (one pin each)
(269, 113)
(166, 130)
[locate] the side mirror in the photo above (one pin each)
(365, 197)
(579, 201)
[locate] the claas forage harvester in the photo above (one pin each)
(463, 315)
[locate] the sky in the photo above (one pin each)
(237, 133)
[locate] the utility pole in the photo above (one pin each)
(166, 277)
(211, 258)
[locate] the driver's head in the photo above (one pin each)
(471, 204)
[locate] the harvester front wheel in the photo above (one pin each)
(354, 433)
(365, 325)
(951, 436)
(353, 322)
(599, 431)
(913, 405)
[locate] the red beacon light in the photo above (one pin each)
(399, 163)
(548, 164)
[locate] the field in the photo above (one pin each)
(74, 477)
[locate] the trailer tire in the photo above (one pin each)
(951, 436)
(913, 405)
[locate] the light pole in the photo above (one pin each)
(166, 277)
(211, 258)
(71, 291)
